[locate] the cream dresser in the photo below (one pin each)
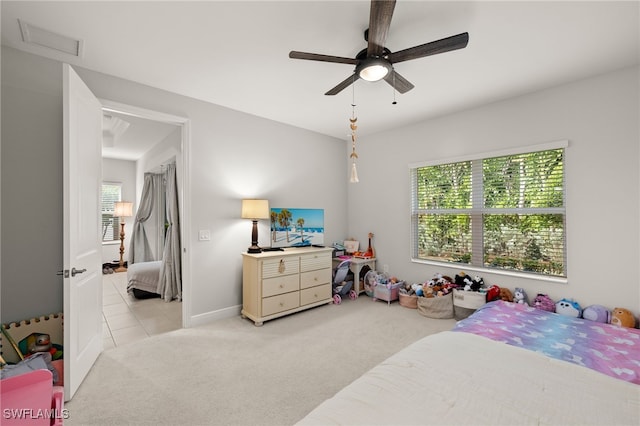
(278, 283)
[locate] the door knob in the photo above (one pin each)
(75, 271)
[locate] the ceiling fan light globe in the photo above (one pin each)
(373, 69)
(373, 73)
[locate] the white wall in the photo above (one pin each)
(598, 116)
(31, 188)
(232, 155)
(124, 172)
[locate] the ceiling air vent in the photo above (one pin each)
(45, 38)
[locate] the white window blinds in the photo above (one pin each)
(504, 211)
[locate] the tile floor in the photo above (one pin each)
(127, 319)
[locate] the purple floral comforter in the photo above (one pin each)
(609, 349)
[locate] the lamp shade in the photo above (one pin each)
(123, 209)
(255, 209)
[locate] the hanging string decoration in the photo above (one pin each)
(354, 127)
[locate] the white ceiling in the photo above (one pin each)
(140, 136)
(235, 53)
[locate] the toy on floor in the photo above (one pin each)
(520, 296)
(439, 285)
(623, 318)
(341, 285)
(415, 288)
(597, 313)
(544, 303)
(477, 283)
(493, 293)
(568, 308)
(506, 295)
(463, 281)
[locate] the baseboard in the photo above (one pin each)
(209, 317)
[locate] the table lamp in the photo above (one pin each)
(255, 210)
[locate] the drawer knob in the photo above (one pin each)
(281, 286)
(281, 266)
(315, 278)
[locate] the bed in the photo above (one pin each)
(507, 364)
(142, 279)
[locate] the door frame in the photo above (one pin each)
(184, 188)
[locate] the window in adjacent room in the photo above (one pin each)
(111, 192)
(504, 211)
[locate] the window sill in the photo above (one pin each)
(514, 274)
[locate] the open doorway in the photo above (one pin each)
(136, 145)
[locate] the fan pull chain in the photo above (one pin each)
(394, 89)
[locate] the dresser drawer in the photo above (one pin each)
(284, 302)
(315, 294)
(280, 266)
(311, 262)
(279, 285)
(314, 278)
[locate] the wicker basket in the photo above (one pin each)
(408, 301)
(466, 302)
(439, 307)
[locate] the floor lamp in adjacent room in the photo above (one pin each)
(121, 210)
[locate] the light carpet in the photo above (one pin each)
(233, 373)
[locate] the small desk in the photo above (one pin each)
(356, 266)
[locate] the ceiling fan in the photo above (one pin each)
(376, 61)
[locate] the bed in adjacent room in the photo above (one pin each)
(142, 279)
(506, 364)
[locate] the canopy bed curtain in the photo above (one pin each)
(170, 283)
(150, 215)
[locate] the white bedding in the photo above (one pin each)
(454, 378)
(144, 276)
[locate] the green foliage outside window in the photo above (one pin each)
(503, 212)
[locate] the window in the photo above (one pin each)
(504, 211)
(111, 192)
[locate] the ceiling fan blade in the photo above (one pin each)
(324, 58)
(398, 82)
(343, 85)
(455, 42)
(379, 22)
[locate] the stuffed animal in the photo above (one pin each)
(476, 283)
(493, 293)
(417, 289)
(428, 292)
(623, 317)
(42, 343)
(506, 295)
(568, 308)
(597, 313)
(520, 296)
(463, 281)
(544, 303)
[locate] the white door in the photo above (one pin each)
(82, 117)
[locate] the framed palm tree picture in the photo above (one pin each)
(292, 227)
